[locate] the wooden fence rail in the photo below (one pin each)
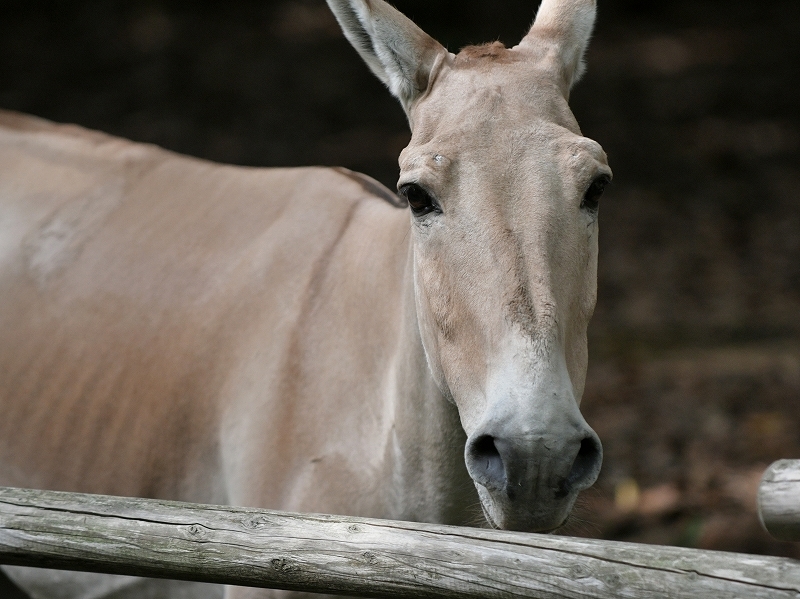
(779, 500)
(358, 556)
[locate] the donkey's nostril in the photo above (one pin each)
(586, 466)
(485, 464)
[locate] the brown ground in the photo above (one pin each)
(695, 346)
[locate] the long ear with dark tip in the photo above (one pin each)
(568, 25)
(397, 51)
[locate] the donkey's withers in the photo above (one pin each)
(503, 193)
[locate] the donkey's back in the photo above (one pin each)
(132, 280)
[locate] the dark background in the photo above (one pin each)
(694, 375)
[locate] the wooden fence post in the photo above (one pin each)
(779, 500)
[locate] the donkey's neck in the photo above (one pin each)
(426, 475)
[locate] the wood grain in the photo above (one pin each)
(364, 557)
(779, 500)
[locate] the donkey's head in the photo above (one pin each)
(503, 194)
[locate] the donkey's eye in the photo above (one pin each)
(419, 200)
(591, 199)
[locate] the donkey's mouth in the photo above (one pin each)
(556, 528)
(502, 514)
(543, 531)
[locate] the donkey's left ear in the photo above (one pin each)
(398, 52)
(566, 25)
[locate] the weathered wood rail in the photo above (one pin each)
(779, 500)
(358, 556)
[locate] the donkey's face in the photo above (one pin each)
(503, 193)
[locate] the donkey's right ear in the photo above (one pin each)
(568, 25)
(398, 52)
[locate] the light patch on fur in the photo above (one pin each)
(56, 243)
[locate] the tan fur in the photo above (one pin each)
(294, 338)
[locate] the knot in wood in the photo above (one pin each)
(283, 565)
(613, 582)
(579, 571)
(196, 531)
(256, 522)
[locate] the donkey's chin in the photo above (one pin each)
(533, 515)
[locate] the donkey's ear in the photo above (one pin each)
(397, 51)
(568, 25)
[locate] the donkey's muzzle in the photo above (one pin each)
(533, 480)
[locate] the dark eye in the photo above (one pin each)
(419, 200)
(591, 199)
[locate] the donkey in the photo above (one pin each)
(304, 339)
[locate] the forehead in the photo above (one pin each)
(494, 105)
(490, 91)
